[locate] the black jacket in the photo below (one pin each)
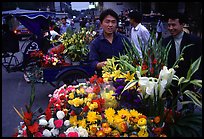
(190, 54)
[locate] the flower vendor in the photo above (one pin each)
(109, 43)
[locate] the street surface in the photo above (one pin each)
(16, 93)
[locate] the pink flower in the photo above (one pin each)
(58, 123)
(89, 90)
(38, 134)
(72, 134)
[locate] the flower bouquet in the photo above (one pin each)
(76, 44)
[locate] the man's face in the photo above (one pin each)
(174, 27)
(109, 24)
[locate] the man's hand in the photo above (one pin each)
(100, 65)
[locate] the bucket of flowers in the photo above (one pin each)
(76, 44)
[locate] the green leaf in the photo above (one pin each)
(193, 97)
(129, 85)
(181, 80)
(197, 83)
(32, 97)
(193, 68)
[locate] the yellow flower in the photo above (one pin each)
(92, 117)
(106, 76)
(73, 120)
(142, 121)
(143, 133)
(124, 113)
(71, 95)
(134, 113)
(129, 77)
(117, 120)
(91, 96)
(109, 112)
(82, 123)
(116, 74)
(93, 106)
(77, 102)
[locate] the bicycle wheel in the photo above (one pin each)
(10, 62)
(33, 72)
(72, 77)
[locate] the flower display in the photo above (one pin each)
(48, 60)
(127, 101)
(76, 44)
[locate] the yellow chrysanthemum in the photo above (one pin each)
(124, 112)
(109, 112)
(93, 117)
(73, 120)
(134, 113)
(77, 102)
(82, 123)
(117, 120)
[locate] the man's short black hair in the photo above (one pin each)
(175, 15)
(108, 12)
(136, 16)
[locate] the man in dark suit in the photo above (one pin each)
(178, 39)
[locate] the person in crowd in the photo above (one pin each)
(64, 26)
(109, 43)
(97, 23)
(82, 22)
(138, 31)
(178, 39)
(159, 28)
(10, 41)
(87, 25)
(57, 25)
(53, 34)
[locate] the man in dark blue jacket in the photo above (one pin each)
(109, 43)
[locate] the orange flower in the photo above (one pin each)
(157, 119)
(157, 130)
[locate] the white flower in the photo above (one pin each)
(166, 74)
(55, 132)
(43, 122)
(143, 81)
(66, 122)
(162, 86)
(47, 133)
(60, 114)
(82, 132)
(150, 87)
(51, 123)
